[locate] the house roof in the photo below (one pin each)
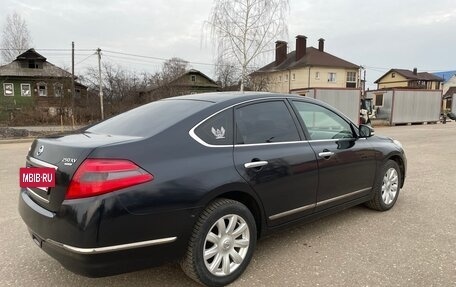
(212, 83)
(312, 57)
(409, 75)
(16, 69)
(445, 75)
(30, 54)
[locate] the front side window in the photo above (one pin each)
(317, 75)
(8, 89)
(217, 130)
(321, 123)
(332, 77)
(193, 78)
(26, 90)
(265, 122)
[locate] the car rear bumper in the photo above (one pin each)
(84, 243)
(109, 260)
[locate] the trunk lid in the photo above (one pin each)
(64, 154)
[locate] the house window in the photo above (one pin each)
(32, 64)
(280, 78)
(193, 78)
(317, 75)
(286, 77)
(58, 90)
(26, 90)
(332, 77)
(379, 100)
(393, 75)
(8, 89)
(42, 90)
(77, 93)
(351, 76)
(293, 77)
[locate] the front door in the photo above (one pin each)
(346, 163)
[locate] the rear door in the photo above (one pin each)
(346, 163)
(270, 155)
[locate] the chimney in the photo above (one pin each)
(415, 71)
(301, 46)
(281, 52)
(321, 45)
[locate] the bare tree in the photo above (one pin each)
(120, 86)
(227, 74)
(244, 29)
(15, 38)
(173, 68)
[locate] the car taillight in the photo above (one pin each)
(99, 176)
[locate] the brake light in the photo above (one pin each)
(99, 176)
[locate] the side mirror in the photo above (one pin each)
(366, 131)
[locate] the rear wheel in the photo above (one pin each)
(387, 187)
(222, 243)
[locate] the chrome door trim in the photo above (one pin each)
(97, 250)
(320, 203)
(292, 211)
(323, 202)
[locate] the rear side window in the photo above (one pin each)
(265, 122)
(217, 130)
(150, 119)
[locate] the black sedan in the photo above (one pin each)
(199, 179)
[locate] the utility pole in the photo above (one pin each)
(72, 84)
(100, 83)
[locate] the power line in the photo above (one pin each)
(84, 59)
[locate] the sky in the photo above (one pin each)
(379, 35)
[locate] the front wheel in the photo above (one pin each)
(387, 187)
(222, 243)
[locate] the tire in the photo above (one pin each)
(232, 247)
(387, 187)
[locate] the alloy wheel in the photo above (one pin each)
(390, 186)
(226, 245)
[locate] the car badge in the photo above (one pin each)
(40, 150)
(69, 161)
(218, 133)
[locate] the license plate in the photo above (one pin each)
(39, 177)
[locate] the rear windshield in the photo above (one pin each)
(150, 119)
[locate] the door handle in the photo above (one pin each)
(326, 154)
(255, 164)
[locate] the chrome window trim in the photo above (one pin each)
(40, 163)
(320, 203)
(200, 141)
(36, 195)
(98, 250)
(267, 144)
